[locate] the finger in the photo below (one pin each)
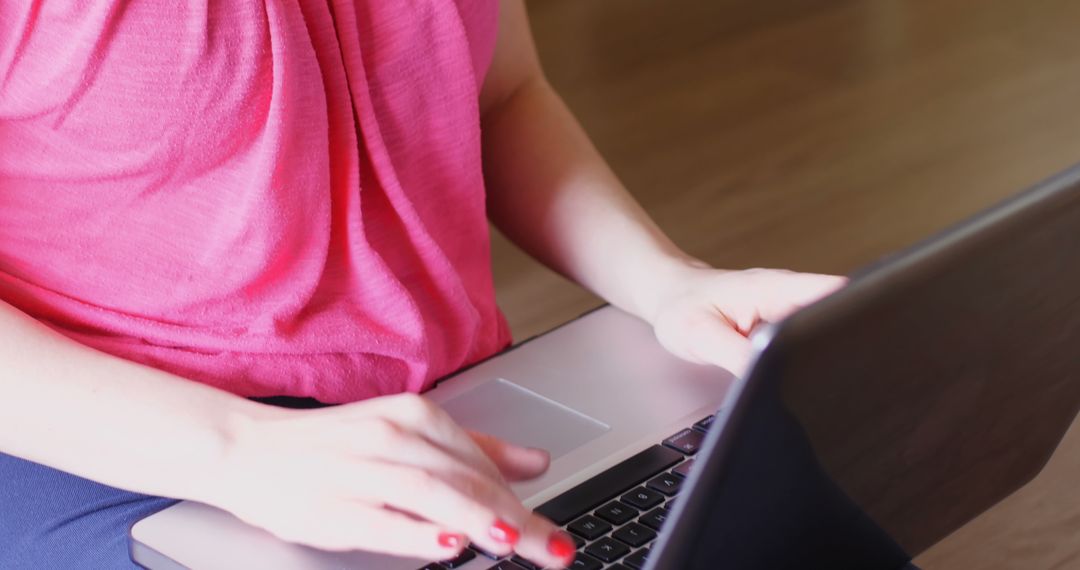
(384, 439)
(389, 443)
(710, 339)
(428, 419)
(432, 421)
(484, 509)
(516, 463)
(791, 291)
(351, 526)
(546, 545)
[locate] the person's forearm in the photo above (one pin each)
(116, 422)
(553, 195)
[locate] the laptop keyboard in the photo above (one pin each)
(615, 516)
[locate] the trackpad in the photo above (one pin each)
(506, 410)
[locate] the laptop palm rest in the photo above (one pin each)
(506, 410)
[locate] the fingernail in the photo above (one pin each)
(561, 546)
(450, 540)
(502, 532)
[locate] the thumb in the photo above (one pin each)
(514, 462)
(712, 340)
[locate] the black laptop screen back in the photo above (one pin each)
(943, 384)
(883, 418)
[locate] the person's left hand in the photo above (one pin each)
(709, 314)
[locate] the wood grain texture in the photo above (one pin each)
(819, 135)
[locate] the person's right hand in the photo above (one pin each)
(394, 475)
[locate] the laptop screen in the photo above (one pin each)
(883, 418)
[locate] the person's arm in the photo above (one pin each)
(551, 193)
(392, 474)
(103, 418)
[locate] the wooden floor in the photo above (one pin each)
(819, 135)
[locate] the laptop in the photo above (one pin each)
(871, 425)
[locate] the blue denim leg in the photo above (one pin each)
(52, 520)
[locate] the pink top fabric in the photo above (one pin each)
(275, 197)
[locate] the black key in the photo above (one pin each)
(686, 441)
(579, 542)
(607, 550)
(526, 564)
(589, 527)
(683, 469)
(606, 485)
(618, 567)
(479, 550)
(666, 483)
(634, 534)
(434, 566)
(616, 512)
(506, 565)
(465, 556)
(643, 498)
(637, 559)
(655, 518)
(583, 562)
(705, 424)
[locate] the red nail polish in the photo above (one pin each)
(504, 533)
(450, 540)
(561, 545)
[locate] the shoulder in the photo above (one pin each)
(515, 62)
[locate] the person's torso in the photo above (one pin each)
(277, 197)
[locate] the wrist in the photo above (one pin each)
(238, 428)
(661, 282)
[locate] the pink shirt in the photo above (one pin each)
(275, 197)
